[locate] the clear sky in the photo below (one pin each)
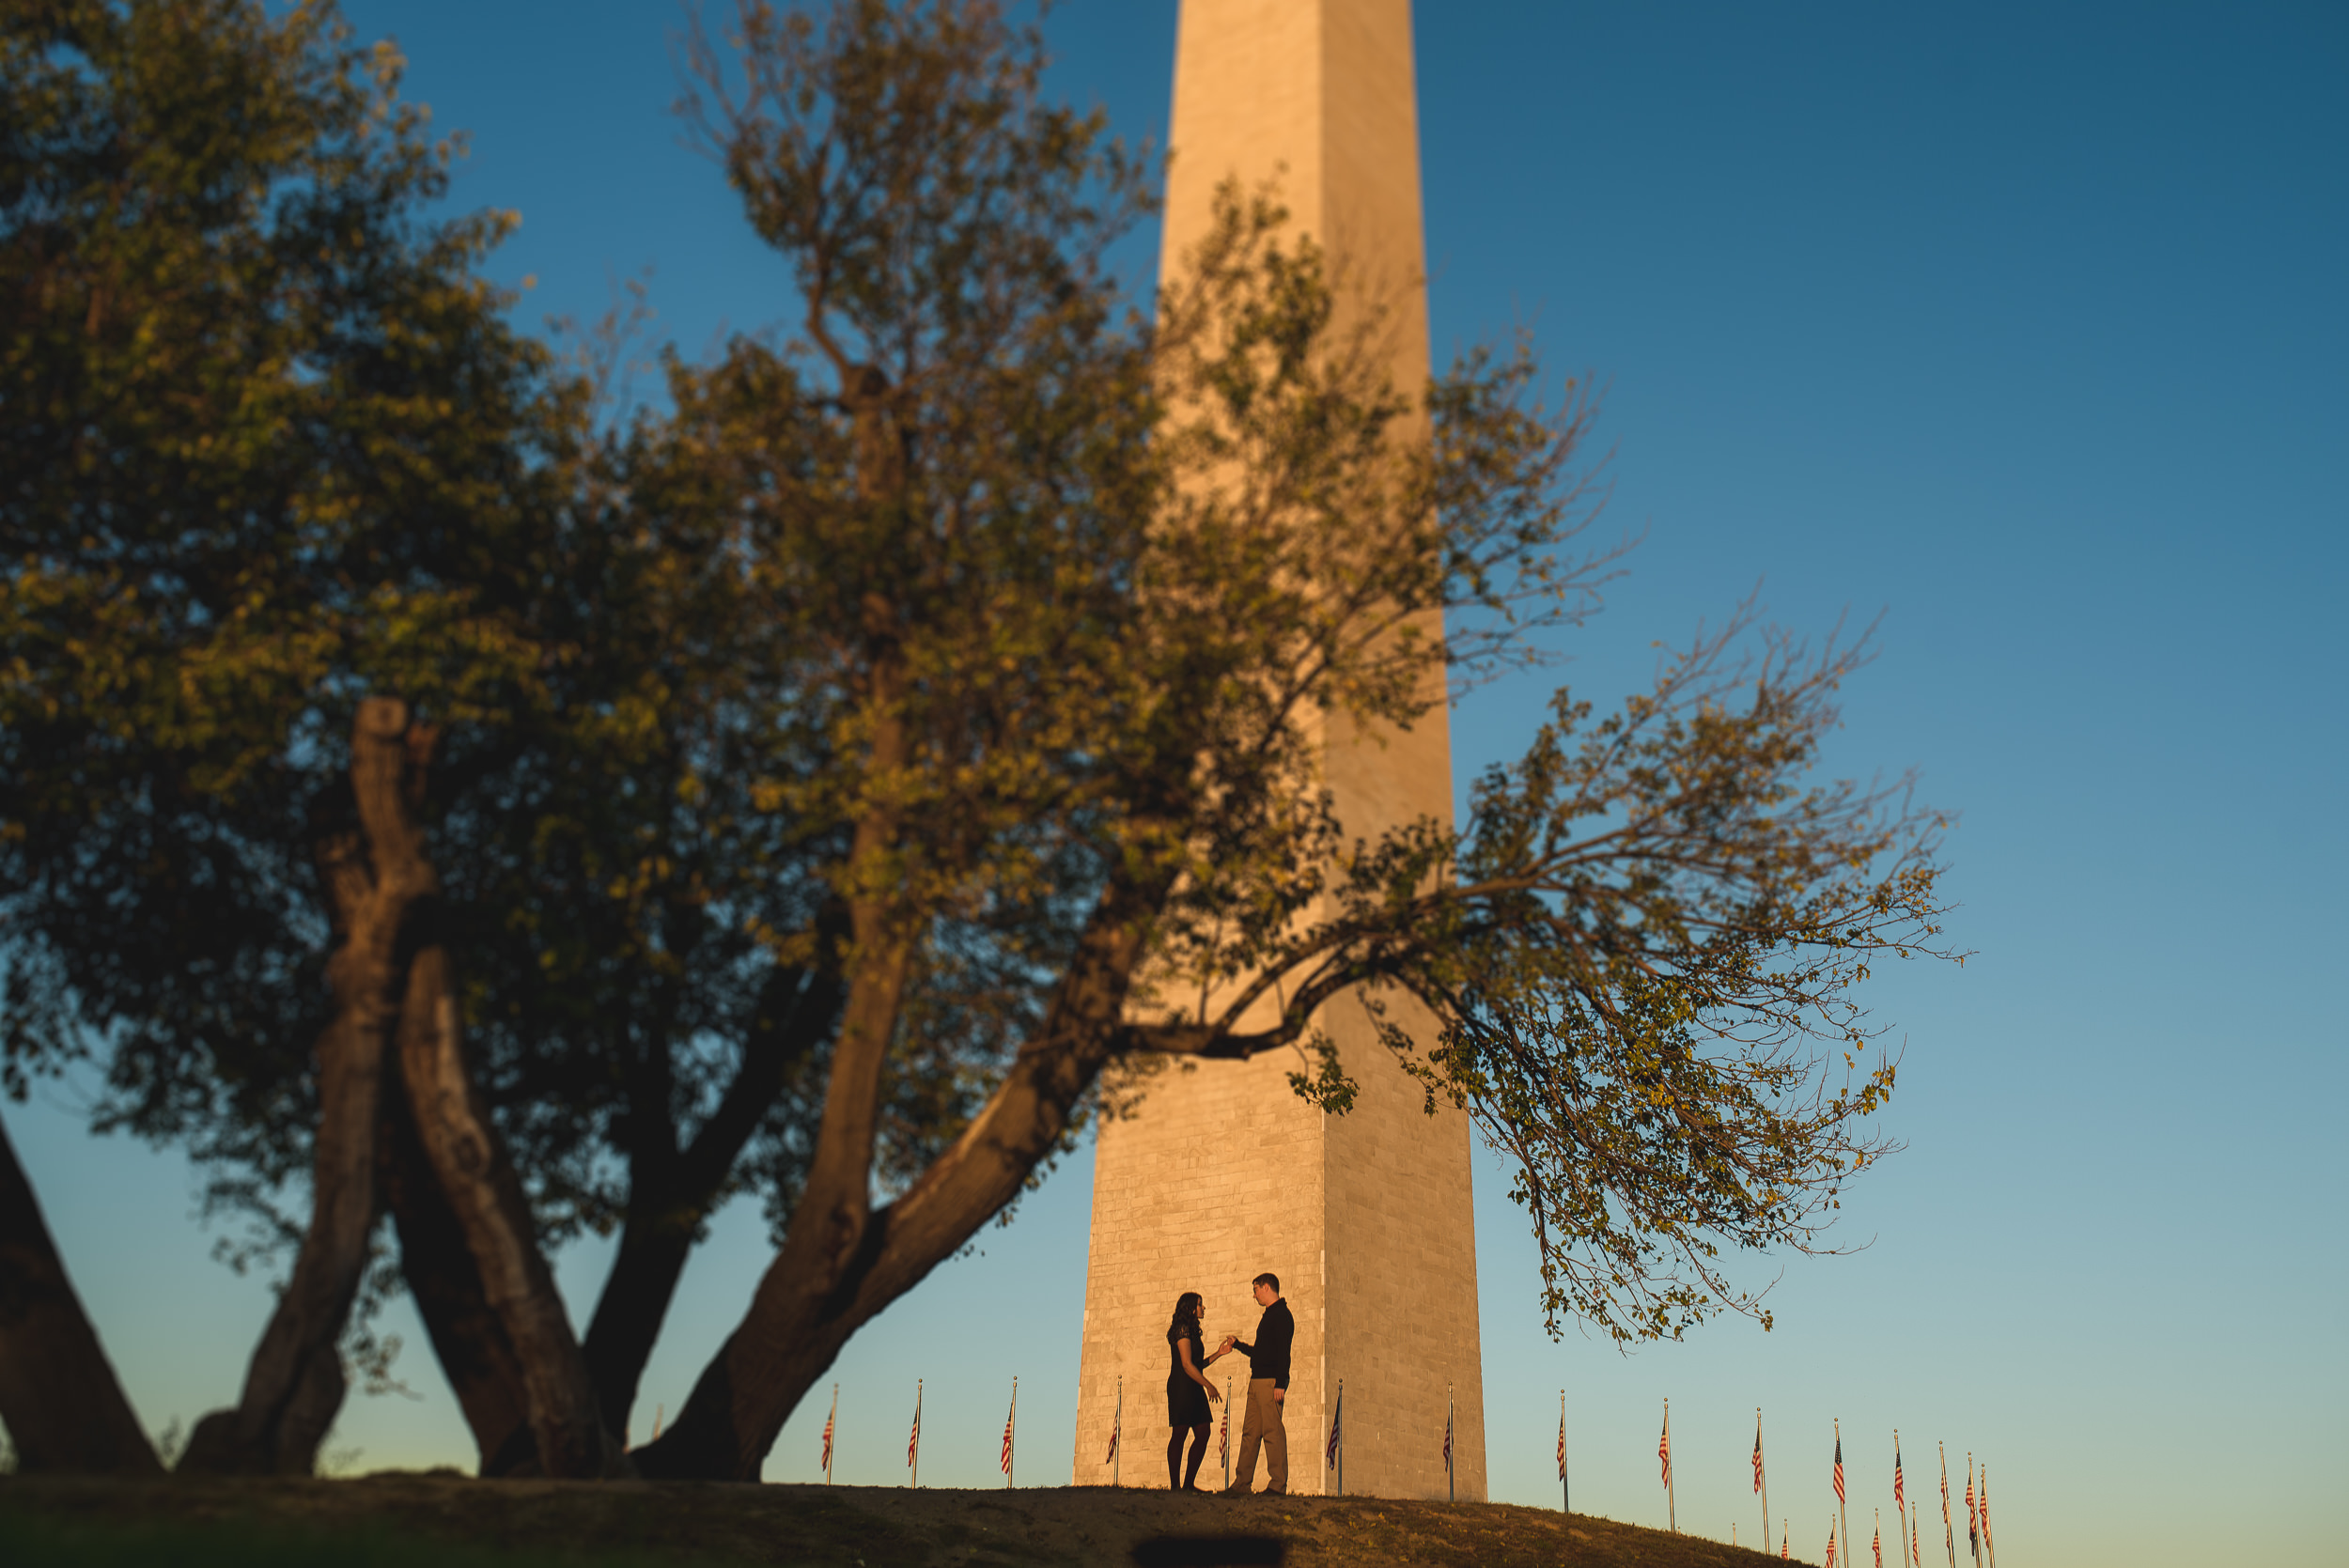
(2021, 325)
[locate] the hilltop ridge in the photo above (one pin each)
(387, 1519)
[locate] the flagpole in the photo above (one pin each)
(1987, 1544)
(1227, 1433)
(1565, 1495)
(1340, 1435)
(1973, 1525)
(1762, 1476)
(1842, 1517)
(1901, 1503)
(1949, 1531)
(1672, 1509)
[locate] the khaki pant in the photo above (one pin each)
(1263, 1425)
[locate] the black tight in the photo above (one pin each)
(1174, 1454)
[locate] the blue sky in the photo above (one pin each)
(2021, 326)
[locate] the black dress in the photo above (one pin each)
(1186, 1400)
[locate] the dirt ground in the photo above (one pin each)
(840, 1527)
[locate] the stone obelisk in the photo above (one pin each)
(1225, 1174)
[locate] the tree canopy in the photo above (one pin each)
(840, 782)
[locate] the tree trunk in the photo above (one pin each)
(373, 873)
(453, 1125)
(807, 1306)
(670, 1194)
(275, 1427)
(471, 1344)
(637, 1296)
(58, 1394)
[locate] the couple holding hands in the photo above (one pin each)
(1188, 1393)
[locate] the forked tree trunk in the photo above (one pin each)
(666, 1206)
(372, 866)
(813, 1299)
(467, 1338)
(666, 1211)
(381, 887)
(671, 1194)
(58, 1394)
(461, 1145)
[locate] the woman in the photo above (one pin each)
(1188, 1391)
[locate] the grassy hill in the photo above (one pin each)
(448, 1521)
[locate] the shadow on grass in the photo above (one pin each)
(84, 1544)
(1209, 1551)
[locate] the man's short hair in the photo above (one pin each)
(1272, 1280)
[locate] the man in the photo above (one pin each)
(1268, 1390)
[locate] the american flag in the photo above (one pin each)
(1839, 1470)
(1757, 1452)
(1916, 1544)
(1900, 1498)
(1447, 1439)
(1561, 1447)
(1337, 1425)
(1118, 1426)
(1945, 1492)
(1985, 1506)
(828, 1421)
(1878, 1545)
(1831, 1547)
(1007, 1421)
(1785, 1533)
(1664, 1449)
(1224, 1456)
(913, 1444)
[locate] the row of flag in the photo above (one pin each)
(1335, 1453)
(1978, 1541)
(914, 1440)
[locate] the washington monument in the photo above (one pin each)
(1225, 1173)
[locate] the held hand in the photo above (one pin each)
(1280, 1396)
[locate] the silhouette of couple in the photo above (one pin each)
(1188, 1393)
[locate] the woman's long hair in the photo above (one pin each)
(1187, 1308)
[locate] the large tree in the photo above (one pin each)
(1081, 587)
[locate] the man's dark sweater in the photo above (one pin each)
(1270, 1356)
